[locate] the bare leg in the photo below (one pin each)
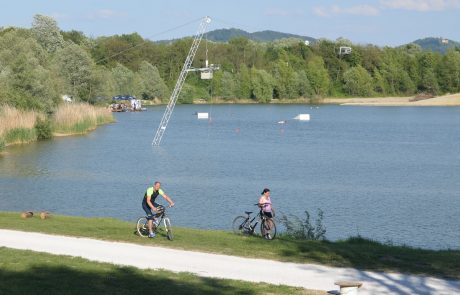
(150, 225)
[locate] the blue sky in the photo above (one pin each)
(380, 22)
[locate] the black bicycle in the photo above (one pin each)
(161, 217)
(247, 225)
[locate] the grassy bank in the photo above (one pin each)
(18, 126)
(356, 252)
(79, 118)
(27, 272)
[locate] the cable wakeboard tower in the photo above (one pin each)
(206, 73)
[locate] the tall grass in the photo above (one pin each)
(17, 126)
(79, 118)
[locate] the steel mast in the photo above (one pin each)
(180, 81)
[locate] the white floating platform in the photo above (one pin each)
(202, 115)
(302, 117)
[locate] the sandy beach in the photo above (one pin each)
(445, 100)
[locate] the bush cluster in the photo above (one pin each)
(43, 129)
(299, 229)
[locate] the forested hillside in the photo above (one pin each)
(225, 35)
(39, 65)
(437, 44)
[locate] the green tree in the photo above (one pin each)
(357, 81)
(123, 79)
(75, 65)
(285, 83)
(224, 85)
(449, 72)
(262, 85)
(26, 81)
(151, 84)
(318, 76)
(428, 81)
(47, 33)
(244, 82)
(302, 83)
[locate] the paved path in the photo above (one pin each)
(309, 276)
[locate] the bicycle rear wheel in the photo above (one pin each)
(141, 227)
(268, 229)
(240, 224)
(168, 228)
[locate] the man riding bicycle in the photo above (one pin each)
(151, 208)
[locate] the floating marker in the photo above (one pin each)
(203, 115)
(302, 117)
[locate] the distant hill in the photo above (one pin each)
(436, 44)
(224, 35)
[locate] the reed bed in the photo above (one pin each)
(79, 118)
(17, 126)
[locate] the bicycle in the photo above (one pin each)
(246, 225)
(143, 229)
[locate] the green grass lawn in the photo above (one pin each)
(354, 252)
(27, 272)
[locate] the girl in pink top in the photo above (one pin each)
(265, 203)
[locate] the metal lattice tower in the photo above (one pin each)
(180, 81)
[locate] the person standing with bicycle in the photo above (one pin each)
(265, 205)
(150, 207)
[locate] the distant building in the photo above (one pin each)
(444, 41)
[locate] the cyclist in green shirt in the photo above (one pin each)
(150, 207)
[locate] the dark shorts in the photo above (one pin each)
(268, 214)
(148, 210)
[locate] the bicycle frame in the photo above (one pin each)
(248, 223)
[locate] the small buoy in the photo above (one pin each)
(27, 214)
(45, 215)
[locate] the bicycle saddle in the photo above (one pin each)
(247, 212)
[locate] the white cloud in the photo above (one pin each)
(364, 9)
(421, 5)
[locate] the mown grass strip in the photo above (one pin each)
(354, 252)
(27, 272)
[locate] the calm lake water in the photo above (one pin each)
(386, 173)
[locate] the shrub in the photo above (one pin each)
(43, 129)
(304, 229)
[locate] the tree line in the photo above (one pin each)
(39, 65)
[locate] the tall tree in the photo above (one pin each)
(75, 65)
(262, 85)
(358, 81)
(151, 84)
(123, 79)
(318, 76)
(47, 33)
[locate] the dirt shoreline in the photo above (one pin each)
(445, 100)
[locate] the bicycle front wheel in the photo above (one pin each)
(142, 227)
(168, 228)
(239, 225)
(268, 229)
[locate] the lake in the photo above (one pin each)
(387, 173)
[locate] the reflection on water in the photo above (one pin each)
(390, 174)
